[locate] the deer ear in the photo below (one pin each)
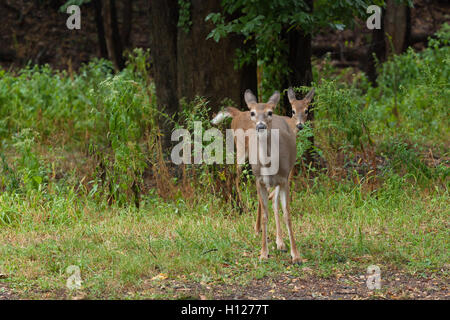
(249, 97)
(291, 95)
(275, 98)
(309, 96)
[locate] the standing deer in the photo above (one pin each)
(296, 123)
(266, 124)
(242, 120)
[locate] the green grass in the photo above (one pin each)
(119, 250)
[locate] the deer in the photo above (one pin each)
(300, 109)
(265, 123)
(242, 120)
(269, 125)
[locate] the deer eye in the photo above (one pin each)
(269, 113)
(293, 111)
(306, 111)
(252, 113)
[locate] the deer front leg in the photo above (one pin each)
(284, 195)
(280, 243)
(263, 199)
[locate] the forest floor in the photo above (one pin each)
(394, 285)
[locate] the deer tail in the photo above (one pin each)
(228, 112)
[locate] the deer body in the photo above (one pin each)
(242, 120)
(269, 126)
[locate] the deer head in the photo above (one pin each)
(261, 113)
(300, 108)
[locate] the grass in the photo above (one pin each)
(120, 250)
(83, 182)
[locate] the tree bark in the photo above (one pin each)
(100, 29)
(300, 74)
(163, 50)
(206, 67)
(127, 23)
(397, 25)
(112, 36)
(376, 51)
(185, 64)
(394, 37)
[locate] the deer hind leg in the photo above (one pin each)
(239, 201)
(258, 213)
(263, 199)
(284, 195)
(280, 243)
(290, 179)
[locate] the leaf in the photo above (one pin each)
(161, 276)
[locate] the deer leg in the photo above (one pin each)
(263, 197)
(291, 176)
(280, 243)
(258, 216)
(284, 195)
(239, 201)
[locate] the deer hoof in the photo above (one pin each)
(263, 257)
(297, 262)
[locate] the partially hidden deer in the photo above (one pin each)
(268, 127)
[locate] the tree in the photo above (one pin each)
(185, 63)
(112, 36)
(282, 31)
(393, 37)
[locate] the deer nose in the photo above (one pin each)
(299, 126)
(260, 126)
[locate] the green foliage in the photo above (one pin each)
(268, 22)
(184, 15)
(68, 3)
(111, 118)
(29, 168)
(416, 85)
(342, 113)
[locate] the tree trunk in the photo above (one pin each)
(127, 23)
(100, 29)
(376, 51)
(112, 36)
(163, 50)
(299, 63)
(185, 64)
(394, 37)
(206, 67)
(397, 26)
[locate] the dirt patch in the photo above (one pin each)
(311, 287)
(394, 286)
(6, 293)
